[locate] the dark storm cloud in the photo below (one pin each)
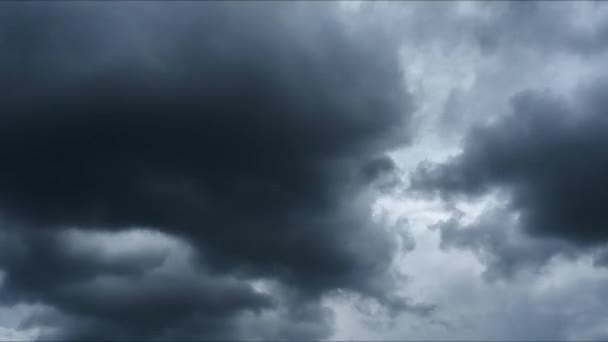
(301, 321)
(497, 240)
(94, 293)
(549, 156)
(252, 131)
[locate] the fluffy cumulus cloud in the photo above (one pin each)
(248, 137)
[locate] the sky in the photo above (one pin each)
(303, 170)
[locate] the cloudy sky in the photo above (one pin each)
(303, 171)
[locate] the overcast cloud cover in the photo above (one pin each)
(303, 170)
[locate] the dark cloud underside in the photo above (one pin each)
(251, 131)
(549, 156)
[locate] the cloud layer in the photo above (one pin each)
(237, 170)
(548, 156)
(253, 133)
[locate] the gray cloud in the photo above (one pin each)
(542, 27)
(252, 132)
(499, 242)
(548, 155)
(193, 171)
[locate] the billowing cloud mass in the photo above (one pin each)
(251, 135)
(549, 156)
(303, 170)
